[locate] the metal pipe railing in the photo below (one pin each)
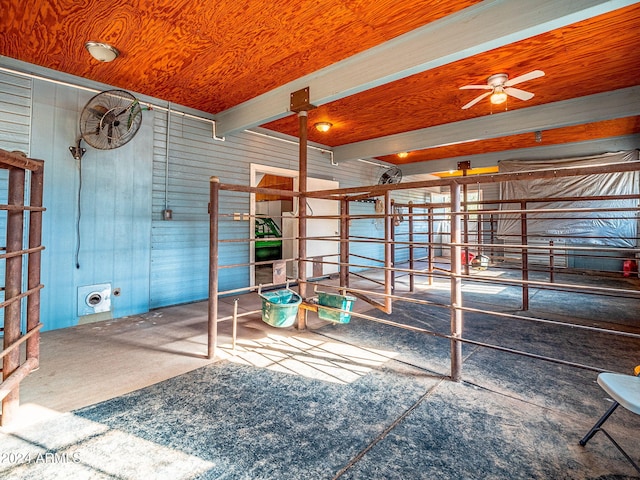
(13, 370)
(462, 220)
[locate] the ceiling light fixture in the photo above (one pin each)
(538, 136)
(403, 154)
(103, 52)
(323, 126)
(498, 96)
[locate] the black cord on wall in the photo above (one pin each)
(78, 217)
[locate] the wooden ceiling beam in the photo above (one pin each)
(564, 150)
(620, 103)
(482, 27)
(629, 164)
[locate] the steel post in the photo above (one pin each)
(13, 288)
(34, 264)
(212, 331)
(344, 242)
(456, 285)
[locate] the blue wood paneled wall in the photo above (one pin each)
(123, 238)
(114, 209)
(181, 173)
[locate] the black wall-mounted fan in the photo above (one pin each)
(110, 119)
(391, 175)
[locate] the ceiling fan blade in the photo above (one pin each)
(524, 78)
(476, 100)
(516, 92)
(472, 87)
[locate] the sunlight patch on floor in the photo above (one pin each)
(309, 357)
(483, 288)
(472, 287)
(43, 443)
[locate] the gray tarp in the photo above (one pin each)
(618, 229)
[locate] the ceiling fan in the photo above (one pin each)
(500, 86)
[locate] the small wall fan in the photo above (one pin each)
(391, 175)
(110, 119)
(501, 86)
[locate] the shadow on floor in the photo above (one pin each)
(360, 400)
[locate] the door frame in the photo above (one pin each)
(256, 169)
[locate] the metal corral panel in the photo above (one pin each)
(15, 129)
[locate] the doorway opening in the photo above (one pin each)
(274, 226)
(268, 224)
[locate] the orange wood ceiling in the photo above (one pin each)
(275, 182)
(584, 56)
(214, 55)
(202, 54)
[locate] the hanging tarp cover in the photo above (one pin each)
(611, 228)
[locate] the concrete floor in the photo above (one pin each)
(122, 355)
(90, 363)
(126, 354)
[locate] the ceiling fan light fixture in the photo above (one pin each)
(103, 52)
(498, 96)
(323, 126)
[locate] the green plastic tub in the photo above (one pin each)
(280, 308)
(343, 302)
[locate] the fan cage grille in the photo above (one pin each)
(110, 119)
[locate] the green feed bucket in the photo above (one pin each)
(280, 308)
(343, 302)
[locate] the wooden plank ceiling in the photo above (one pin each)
(216, 56)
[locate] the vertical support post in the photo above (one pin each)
(34, 264)
(430, 240)
(13, 287)
(492, 237)
(393, 245)
(344, 242)
(300, 103)
(465, 166)
(412, 260)
(552, 262)
(456, 285)
(212, 333)
(234, 334)
(480, 250)
(465, 223)
(525, 256)
(302, 220)
(388, 252)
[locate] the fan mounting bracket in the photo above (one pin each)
(77, 151)
(497, 79)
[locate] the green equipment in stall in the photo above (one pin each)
(268, 243)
